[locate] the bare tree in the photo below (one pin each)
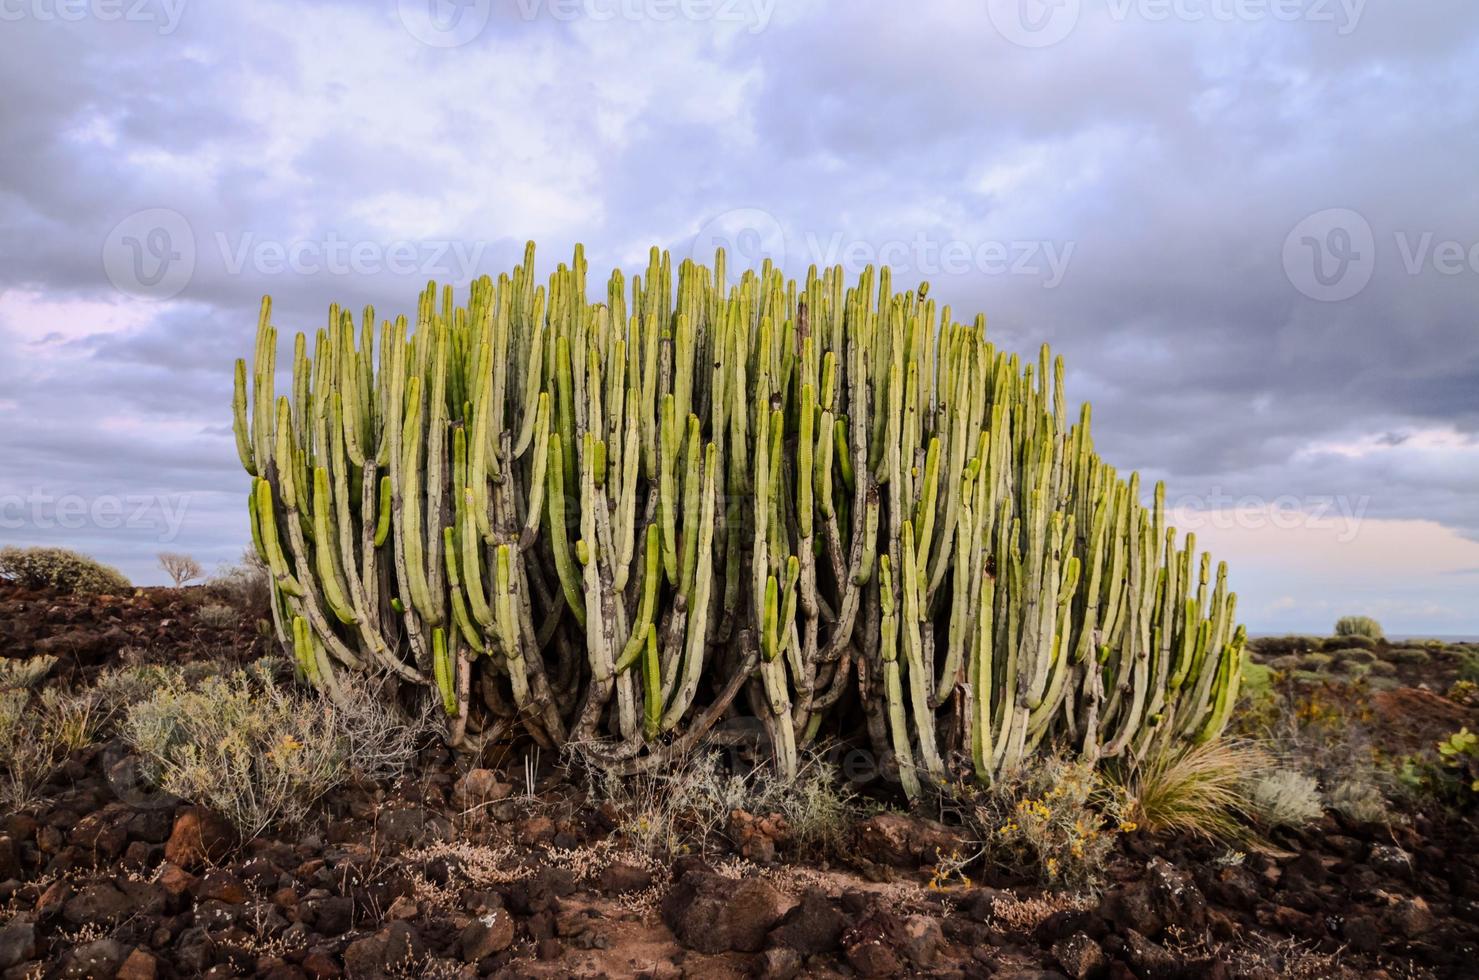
(181, 568)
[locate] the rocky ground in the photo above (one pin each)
(513, 872)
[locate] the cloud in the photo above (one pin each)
(1126, 194)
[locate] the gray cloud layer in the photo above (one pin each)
(1143, 175)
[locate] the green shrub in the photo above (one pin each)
(1359, 626)
(1273, 646)
(1315, 661)
(1382, 668)
(59, 569)
(1289, 661)
(1336, 643)
(260, 753)
(1409, 655)
(1353, 655)
(1053, 819)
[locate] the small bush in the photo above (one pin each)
(1201, 791)
(37, 734)
(1338, 643)
(1358, 626)
(59, 569)
(1459, 754)
(1352, 655)
(1409, 655)
(245, 586)
(1273, 646)
(24, 674)
(1359, 800)
(218, 616)
(1284, 798)
(686, 807)
(1053, 819)
(260, 753)
(1315, 661)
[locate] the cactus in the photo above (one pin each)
(605, 522)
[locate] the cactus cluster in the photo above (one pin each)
(828, 508)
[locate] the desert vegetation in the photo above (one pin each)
(59, 569)
(828, 506)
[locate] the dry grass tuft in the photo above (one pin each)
(1202, 791)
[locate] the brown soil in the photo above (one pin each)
(418, 879)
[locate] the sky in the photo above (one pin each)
(1251, 228)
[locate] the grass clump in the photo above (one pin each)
(61, 570)
(261, 753)
(39, 730)
(1202, 791)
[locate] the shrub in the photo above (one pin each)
(1201, 791)
(1052, 819)
(218, 616)
(38, 731)
(1459, 754)
(687, 807)
(260, 753)
(22, 674)
(1315, 661)
(1284, 798)
(1273, 646)
(1352, 655)
(1359, 800)
(245, 586)
(1358, 626)
(1337, 643)
(1409, 655)
(61, 570)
